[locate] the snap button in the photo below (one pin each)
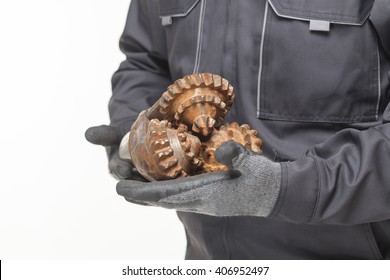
(167, 20)
(319, 25)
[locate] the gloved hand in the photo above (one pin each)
(110, 137)
(250, 188)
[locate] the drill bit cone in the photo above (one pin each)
(160, 145)
(160, 152)
(230, 131)
(200, 101)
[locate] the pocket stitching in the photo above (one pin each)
(363, 17)
(352, 117)
(180, 11)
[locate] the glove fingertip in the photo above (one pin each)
(104, 135)
(228, 151)
(122, 188)
(130, 189)
(90, 134)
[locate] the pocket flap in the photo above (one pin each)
(176, 8)
(354, 12)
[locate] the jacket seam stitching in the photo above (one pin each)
(235, 44)
(378, 77)
(387, 137)
(283, 190)
(319, 116)
(198, 51)
(360, 18)
(373, 247)
(183, 10)
(319, 186)
(228, 248)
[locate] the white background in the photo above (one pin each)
(57, 199)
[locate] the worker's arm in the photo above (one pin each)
(138, 83)
(144, 75)
(345, 180)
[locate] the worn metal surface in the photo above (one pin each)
(160, 143)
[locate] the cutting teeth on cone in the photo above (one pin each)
(161, 152)
(228, 131)
(203, 125)
(192, 96)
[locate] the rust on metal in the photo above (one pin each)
(178, 135)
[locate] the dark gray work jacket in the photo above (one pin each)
(312, 77)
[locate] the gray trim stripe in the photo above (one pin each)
(261, 58)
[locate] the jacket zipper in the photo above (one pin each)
(261, 58)
(200, 35)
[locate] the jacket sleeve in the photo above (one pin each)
(144, 75)
(344, 181)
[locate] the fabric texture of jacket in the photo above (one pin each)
(313, 78)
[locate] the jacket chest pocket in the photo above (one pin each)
(181, 20)
(319, 62)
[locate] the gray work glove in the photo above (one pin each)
(250, 188)
(110, 137)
